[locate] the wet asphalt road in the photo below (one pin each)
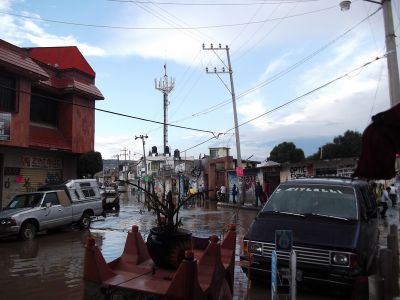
(51, 266)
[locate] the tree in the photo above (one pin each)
(90, 163)
(286, 152)
(346, 145)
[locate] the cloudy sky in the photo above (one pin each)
(303, 71)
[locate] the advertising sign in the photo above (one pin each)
(239, 171)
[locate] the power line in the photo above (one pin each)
(292, 100)
(217, 4)
(163, 28)
(108, 111)
(280, 74)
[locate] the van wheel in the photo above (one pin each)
(27, 231)
(84, 222)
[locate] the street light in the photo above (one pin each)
(390, 40)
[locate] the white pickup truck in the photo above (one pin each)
(74, 201)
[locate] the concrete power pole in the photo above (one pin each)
(142, 137)
(390, 39)
(232, 92)
(391, 50)
(125, 168)
(165, 87)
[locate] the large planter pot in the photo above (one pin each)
(168, 249)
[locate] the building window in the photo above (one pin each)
(213, 153)
(44, 110)
(8, 94)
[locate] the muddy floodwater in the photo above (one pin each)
(51, 266)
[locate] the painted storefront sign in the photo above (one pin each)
(41, 162)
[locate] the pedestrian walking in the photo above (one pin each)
(384, 201)
(191, 193)
(234, 192)
(393, 195)
(258, 191)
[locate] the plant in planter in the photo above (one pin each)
(166, 242)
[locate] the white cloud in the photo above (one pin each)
(25, 31)
(5, 5)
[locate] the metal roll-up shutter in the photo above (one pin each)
(34, 178)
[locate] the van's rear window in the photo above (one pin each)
(335, 201)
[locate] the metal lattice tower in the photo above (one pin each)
(165, 86)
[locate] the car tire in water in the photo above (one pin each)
(27, 231)
(84, 222)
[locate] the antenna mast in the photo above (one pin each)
(165, 86)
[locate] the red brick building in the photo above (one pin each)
(47, 117)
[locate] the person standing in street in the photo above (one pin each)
(223, 193)
(258, 191)
(201, 194)
(384, 201)
(234, 192)
(393, 195)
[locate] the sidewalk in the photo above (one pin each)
(247, 206)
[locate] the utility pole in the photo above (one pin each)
(125, 168)
(390, 41)
(125, 152)
(117, 156)
(142, 137)
(165, 86)
(232, 92)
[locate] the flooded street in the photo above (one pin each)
(51, 266)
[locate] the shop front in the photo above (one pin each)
(26, 170)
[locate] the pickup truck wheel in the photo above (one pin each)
(27, 231)
(84, 222)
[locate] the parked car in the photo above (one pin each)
(74, 201)
(334, 227)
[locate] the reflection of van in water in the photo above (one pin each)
(334, 229)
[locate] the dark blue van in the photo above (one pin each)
(333, 228)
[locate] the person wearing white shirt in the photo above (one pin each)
(223, 192)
